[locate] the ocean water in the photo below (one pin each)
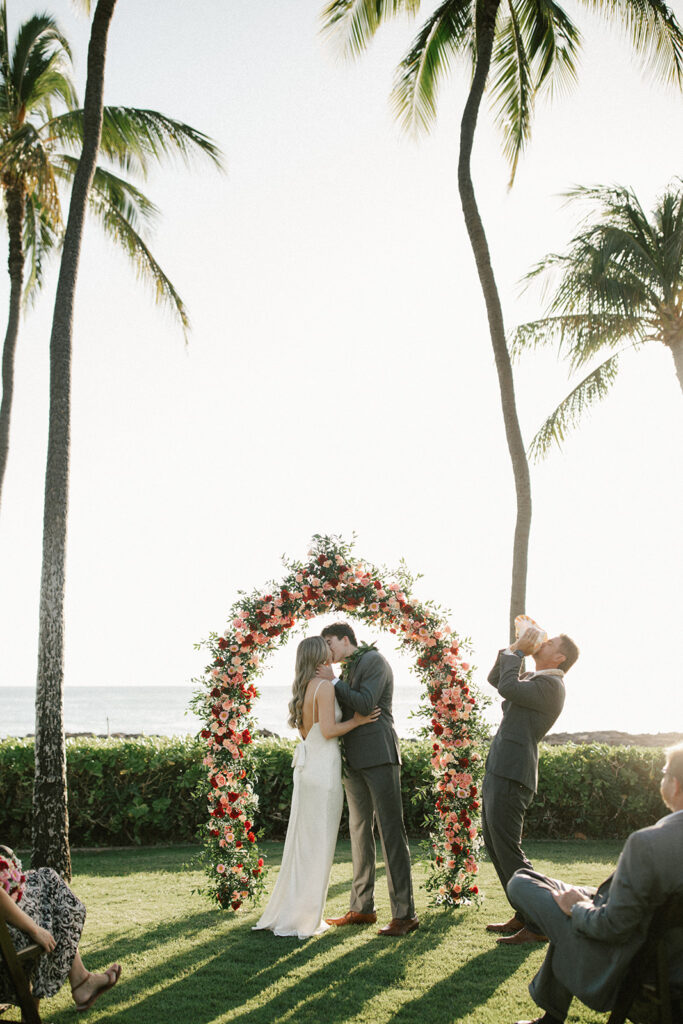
(161, 710)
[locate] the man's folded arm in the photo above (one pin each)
(629, 901)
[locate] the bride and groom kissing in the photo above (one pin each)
(356, 708)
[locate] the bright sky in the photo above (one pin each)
(339, 375)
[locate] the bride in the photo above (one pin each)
(298, 900)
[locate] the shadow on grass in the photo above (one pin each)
(328, 978)
(469, 986)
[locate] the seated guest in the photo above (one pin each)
(594, 933)
(40, 907)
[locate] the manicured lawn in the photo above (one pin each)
(185, 962)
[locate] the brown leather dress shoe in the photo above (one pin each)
(519, 938)
(400, 926)
(507, 927)
(353, 917)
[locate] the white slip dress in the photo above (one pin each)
(297, 903)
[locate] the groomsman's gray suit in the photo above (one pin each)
(373, 787)
(532, 703)
(590, 951)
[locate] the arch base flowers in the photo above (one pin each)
(334, 580)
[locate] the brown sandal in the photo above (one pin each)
(113, 973)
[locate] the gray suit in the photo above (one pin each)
(590, 951)
(373, 787)
(532, 703)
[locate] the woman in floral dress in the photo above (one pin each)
(39, 907)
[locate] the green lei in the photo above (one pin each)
(353, 658)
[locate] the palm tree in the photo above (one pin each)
(530, 46)
(620, 287)
(130, 144)
(38, 152)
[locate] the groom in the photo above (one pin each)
(372, 782)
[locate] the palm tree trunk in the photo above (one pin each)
(15, 206)
(677, 352)
(50, 812)
(485, 29)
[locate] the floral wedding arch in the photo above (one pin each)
(333, 580)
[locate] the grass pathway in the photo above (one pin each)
(186, 963)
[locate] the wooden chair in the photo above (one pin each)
(18, 966)
(645, 995)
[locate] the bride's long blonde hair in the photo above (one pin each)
(310, 653)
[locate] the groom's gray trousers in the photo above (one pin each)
(375, 794)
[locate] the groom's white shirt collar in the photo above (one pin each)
(542, 671)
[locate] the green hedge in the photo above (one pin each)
(596, 791)
(145, 791)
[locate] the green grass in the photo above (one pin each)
(185, 962)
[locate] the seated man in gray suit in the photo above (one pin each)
(532, 701)
(372, 782)
(594, 933)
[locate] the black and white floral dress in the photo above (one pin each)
(48, 901)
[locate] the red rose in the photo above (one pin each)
(236, 904)
(206, 733)
(256, 872)
(239, 844)
(474, 889)
(247, 826)
(232, 797)
(234, 815)
(321, 559)
(214, 832)
(246, 736)
(222, 643)
(438, 728)
(260, 862)
(251, 837)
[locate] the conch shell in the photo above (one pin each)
(522, 623)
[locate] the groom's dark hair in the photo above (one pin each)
(340, 630)
(570, 651)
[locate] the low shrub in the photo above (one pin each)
(148, 790)
(595, 791)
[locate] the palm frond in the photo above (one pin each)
(133, 138)
(104, 201)
(552, 43)
(7, 99)
(511, 88)
(578, 336)
(354, 22)
(38, 48)
(41, 236)
(23, 158)
(132, 204)
(654, 32)
(566, 416)
(535, 51)
(446, 34)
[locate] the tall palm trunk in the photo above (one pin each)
(15, 206)
(50, 814)
(677, 352)
(485, 29)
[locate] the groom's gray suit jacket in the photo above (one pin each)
(370, 684)
(591, 950)
(531, 704)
